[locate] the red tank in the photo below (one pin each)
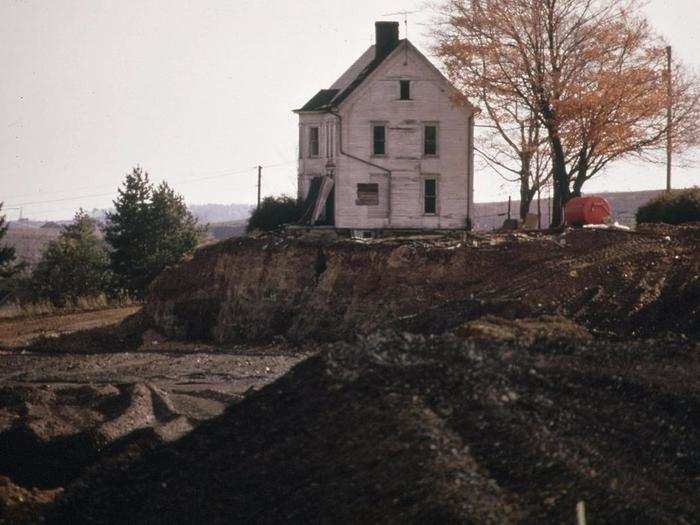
(587, 210)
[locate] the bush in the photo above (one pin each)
(74, 265)
(9, 268)
(676, 207)
(274, 212)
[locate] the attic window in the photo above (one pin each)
(367, 194)
(405, 89)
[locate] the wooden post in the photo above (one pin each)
(581, 513)
(539, 209)
(508, 207)
(259, 179)
(669, 115)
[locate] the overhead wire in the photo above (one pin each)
(227, 173)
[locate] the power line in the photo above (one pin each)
(181, 181)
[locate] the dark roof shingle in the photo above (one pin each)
(332, 97)
(319, 100)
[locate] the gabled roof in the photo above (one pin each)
(347, 82)
(319, 100)
(356, 75)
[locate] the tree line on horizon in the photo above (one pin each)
(149, 229)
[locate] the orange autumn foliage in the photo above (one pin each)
(592, 72)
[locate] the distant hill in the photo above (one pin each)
(205, 213)
(30, 242)
(220, 213)
(490, 215)
(226, 230)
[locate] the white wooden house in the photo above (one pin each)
(387, 146)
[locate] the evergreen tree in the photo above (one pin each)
(9, 269)
(74, 265)
(173, 230)
(127, 233)
(149, 229)
(7, 253)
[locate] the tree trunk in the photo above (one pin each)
(525, 192)
(560, 181)
(581, 177)
(526, 196)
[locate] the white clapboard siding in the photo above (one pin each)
(400, 195)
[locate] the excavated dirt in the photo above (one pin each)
(414, 429)
(71, 406)
(483, 379)
(615, 282)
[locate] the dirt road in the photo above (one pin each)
(62, 412)
(17, 332)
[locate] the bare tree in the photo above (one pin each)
(588, 70)
(514, 145)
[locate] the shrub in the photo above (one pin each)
(676, 207)
(9, 268)
(273, 212)
(74, 265)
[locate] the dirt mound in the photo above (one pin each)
(612, 282)
(49, 434)
(412, 428)
(65, 413)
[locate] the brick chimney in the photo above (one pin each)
(387, 38)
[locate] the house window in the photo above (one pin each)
(405, 86)
(378, 139)
(430, 196)
(430, 140)
(313, 142)
(301, 140)
(367, 194)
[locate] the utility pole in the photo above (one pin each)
(259, 179)
(669, 116)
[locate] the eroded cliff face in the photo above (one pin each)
(251, 289)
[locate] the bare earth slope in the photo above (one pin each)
(407, 429)
(485, 379)
(631, 283)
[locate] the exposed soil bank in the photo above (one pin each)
(624, 283)
(15, 332)
(503, 379)
(412, 429)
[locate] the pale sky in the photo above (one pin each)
(195, 89)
